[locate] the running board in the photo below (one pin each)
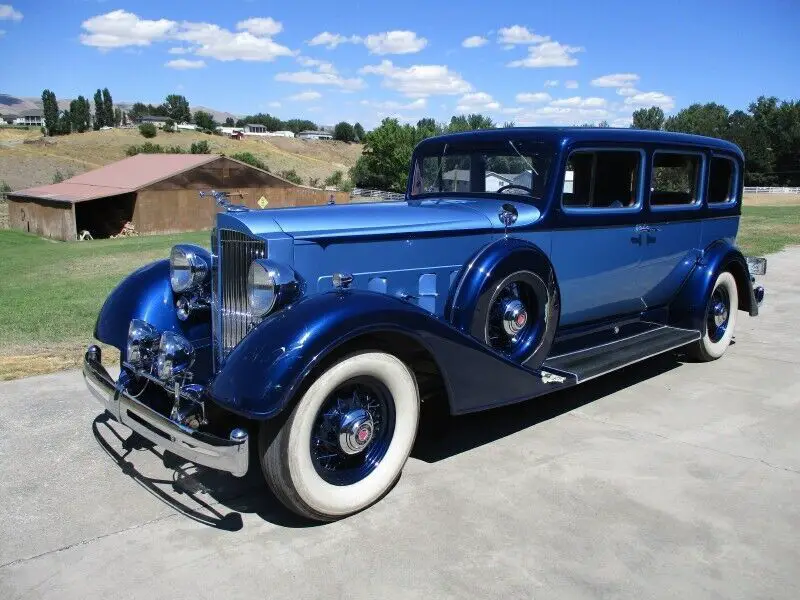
(598, 360)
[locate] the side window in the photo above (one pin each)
(675, 180)
(602, 179)
(721, 180)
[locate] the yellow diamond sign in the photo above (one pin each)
(263, 202)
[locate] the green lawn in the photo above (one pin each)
(50, 292)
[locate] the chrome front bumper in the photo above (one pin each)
(230, 455)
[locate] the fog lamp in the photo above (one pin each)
(175, 355)
(142, 342)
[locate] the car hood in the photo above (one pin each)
(378, 219)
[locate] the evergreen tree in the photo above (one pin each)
(50, 110)
(99, 115)
(108, 109)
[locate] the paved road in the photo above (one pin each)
(663, 480)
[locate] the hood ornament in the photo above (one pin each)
(223, 199)
(508, 216)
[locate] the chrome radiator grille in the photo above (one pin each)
(232, 319)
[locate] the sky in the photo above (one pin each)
(533, 62)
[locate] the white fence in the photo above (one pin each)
(772, 190)
(378, 195)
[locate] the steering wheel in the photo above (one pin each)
(514, 186)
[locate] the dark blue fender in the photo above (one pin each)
(466, 305)
(688, 309)
(146, 294)
(263, 373)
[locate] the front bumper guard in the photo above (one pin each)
(230, 455)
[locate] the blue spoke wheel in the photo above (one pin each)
(719, 320)
(345, 442)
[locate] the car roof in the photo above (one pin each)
(561, 135)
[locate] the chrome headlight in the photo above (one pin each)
(269, 284)
(175, 355)
(142, 341)
(188, 267)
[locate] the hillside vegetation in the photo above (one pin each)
(27, 159)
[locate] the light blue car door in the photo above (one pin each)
(596, 248)
(672, 227)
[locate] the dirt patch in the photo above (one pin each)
(26, 361)
(771, 199)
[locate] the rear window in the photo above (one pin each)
(676, 179)
(721, 180)
(602, 179)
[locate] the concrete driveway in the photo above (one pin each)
(663, 480)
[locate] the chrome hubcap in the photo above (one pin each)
(515, 316)
(356, 431)
(720, 313)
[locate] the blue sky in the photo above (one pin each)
(533, 61)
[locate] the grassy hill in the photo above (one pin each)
(28, 159)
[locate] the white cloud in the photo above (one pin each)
(225, 45)
(9, 13)
(312, 78)
(264, 26)
(622, 122)
(419, 81)
(321, 65)
(477, 101)
(577, 101)
(179, 50)
(533, 97)
(331, 40)
(628, 91)
(474, 41)
(511, 110)
(394, 42)
(183, 64)
(418, 104)
(646, 99)
(517, 34)
(551, 83)
(571, 84)
(549, 54)
(616, 80)
(306, 96)
(120, 28)
(561, 115)
(274, 104)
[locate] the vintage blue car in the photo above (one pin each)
(522, 261)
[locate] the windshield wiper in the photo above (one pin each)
(535, 172)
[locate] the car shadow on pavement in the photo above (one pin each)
(218, 499)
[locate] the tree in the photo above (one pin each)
(50, 110)
(204, 120)
(176, 107)
(169, 126)
(470, 122)
(108, 109)
(335, 179)
(603, 124)
(99, 112)
(428, 127)
(702, 119)
(387, 151)
(200, 148)
(359, 131)
(137, 111)
(648, 118)
(117, 116)
(148, 130)
(344, 132)
(64, 126)
(229, 122)
(80, 114)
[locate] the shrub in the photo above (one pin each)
(59, 176)
(335, 179)
(174, 150)
(346, 186)
(148, 130)
(169, 126)
(4, 189)
(146, 148)
(313, 182)
(250, 159)
(200, 148)
(291, 175)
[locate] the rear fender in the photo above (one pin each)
(262, 375)
(689, 307)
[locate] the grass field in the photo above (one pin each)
(51, 291)
(27, 160)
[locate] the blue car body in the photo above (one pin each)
(420, 268)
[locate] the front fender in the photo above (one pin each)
(263, 373)
(146, 294)
(688, 310)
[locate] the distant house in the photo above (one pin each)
(31, 118)
(156, 120)
(255, 128)
(315, 135)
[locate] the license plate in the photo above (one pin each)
(757, 265)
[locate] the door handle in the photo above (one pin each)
(646, 229)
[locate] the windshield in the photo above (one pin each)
(506, 167)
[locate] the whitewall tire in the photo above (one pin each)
(719, 320)
(347, 439)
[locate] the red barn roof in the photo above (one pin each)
(122, 177)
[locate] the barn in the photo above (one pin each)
(156, 193)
